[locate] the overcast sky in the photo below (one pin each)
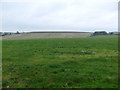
(78, 15)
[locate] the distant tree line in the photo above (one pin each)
(104, 33)
(10, 33)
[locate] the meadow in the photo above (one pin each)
(90, 62)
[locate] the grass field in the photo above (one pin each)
(0, 63)
(90, 62)
(46, 35)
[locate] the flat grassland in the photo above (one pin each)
(90, 62)
(46, 35)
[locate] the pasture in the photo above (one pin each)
(46, 35)
(90, 62)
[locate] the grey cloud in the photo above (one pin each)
(72, 15)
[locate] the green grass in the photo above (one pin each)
(0, 64)
(61, 63)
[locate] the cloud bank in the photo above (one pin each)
(79, 15)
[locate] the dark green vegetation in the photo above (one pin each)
(75, 63)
